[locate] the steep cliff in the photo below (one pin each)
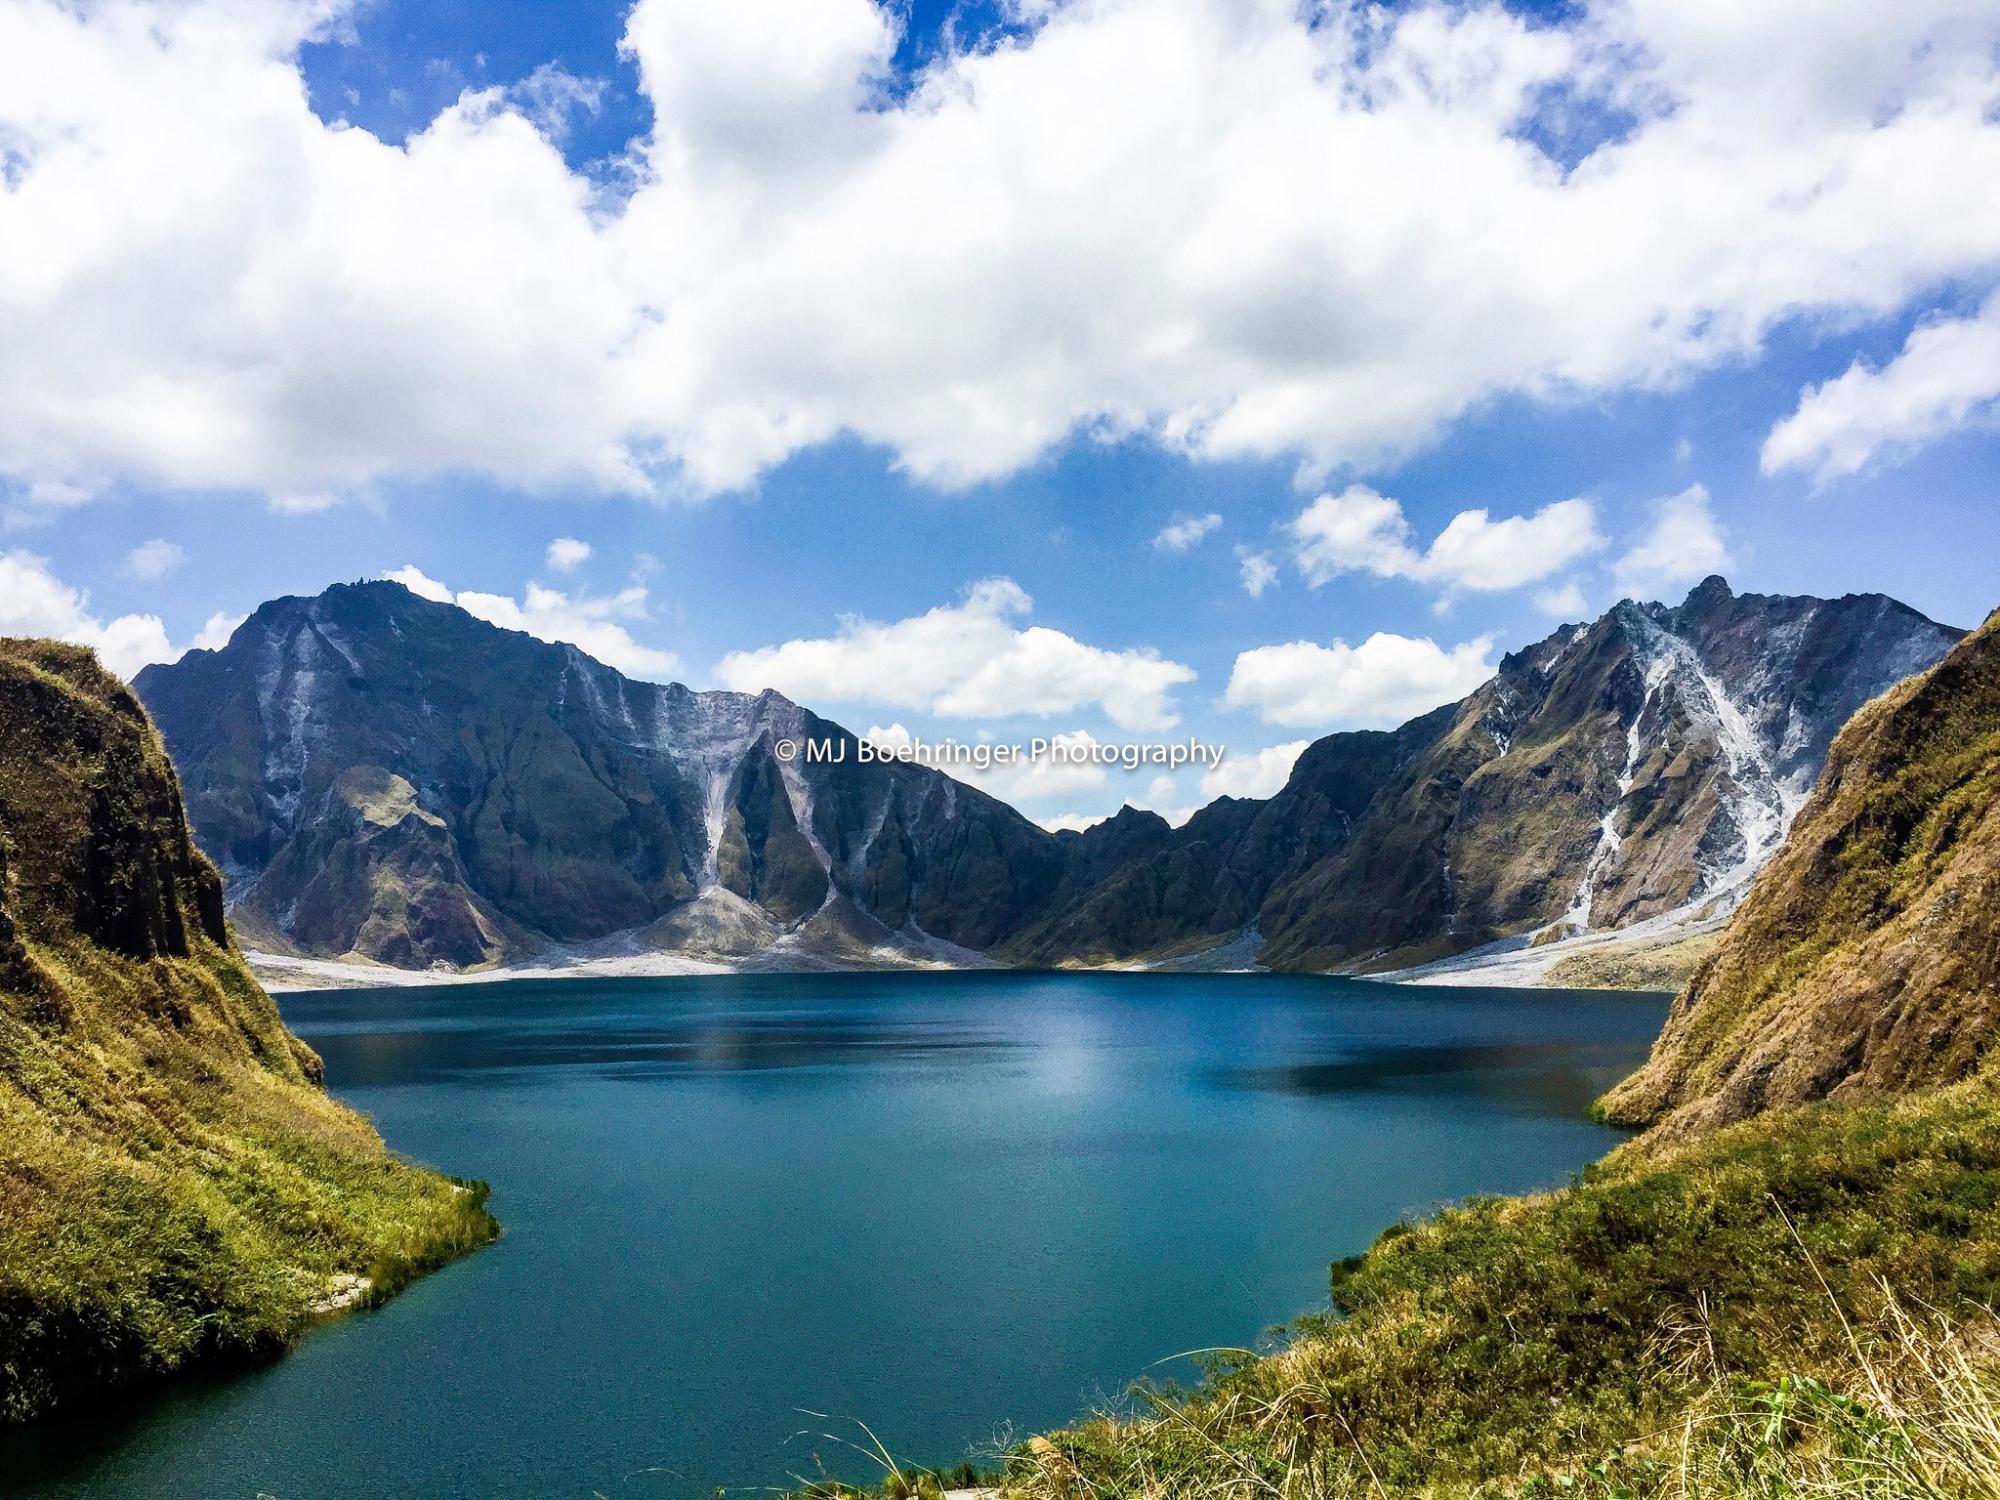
(1867, 959)
(174, 1183)
(391, 779)
(1636, 770)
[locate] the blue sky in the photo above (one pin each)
(851, 471)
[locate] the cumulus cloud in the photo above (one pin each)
(968, 660)
(1256, 570)
(1566, 601)
(1234, 228)
(1684, 544)
(1947, 375)
(34, 602)
(216, 631)
(567, 554)
(421, 584)
(1261, 773)
(1360, 531)
(586, 621)
(1381, 683)
(154, 560)
(1184, 531)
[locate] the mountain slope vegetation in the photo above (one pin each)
(1867, 960)
(175, 1185)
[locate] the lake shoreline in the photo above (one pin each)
(654, 1149)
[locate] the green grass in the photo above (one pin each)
(1509, 1345)
(175, 1186)
(163, 1202)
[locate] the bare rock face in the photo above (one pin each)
(385, 777)
(1638, 769)
(1866, 961)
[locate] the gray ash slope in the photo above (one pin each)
(1638, 769)
(384, 777)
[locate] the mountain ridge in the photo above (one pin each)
(520, 797)
(1606, 776)
(384, 777)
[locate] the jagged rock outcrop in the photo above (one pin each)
(1866, 961)
(389, 778)
(1637, 769)
(174, 1184)
(385, 777)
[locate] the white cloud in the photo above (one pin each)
(1381, 683)
(567, 554)
(420, 583)
(1257, 571)
(586, 621)
(1684, 545)
(216, 631)
(1947, 375)
(154, 560)
(1163, 797)
(1184, 531)
(1235, 228)
(1262, 773)
(1565, 601)
(300, 502)
(552, 96)
(1353, 532)
(1360, 531)
(44, 496)
(966, 661)
(34, 602)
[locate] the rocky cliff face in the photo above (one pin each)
(174, 1185)
(1636, 770)
(389, 778)
(1867, 959)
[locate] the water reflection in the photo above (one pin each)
(660, 1047)
(1547, 1078)
(943, 1203)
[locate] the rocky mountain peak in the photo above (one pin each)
(384, 776)
(388, 777)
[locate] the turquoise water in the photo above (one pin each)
(953, 1206)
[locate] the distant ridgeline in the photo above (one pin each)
(387, 778)
(174, 1183)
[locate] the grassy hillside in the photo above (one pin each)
(1509, 1342)
(174, 1183)
(1867, 958)
(1783, 1288)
